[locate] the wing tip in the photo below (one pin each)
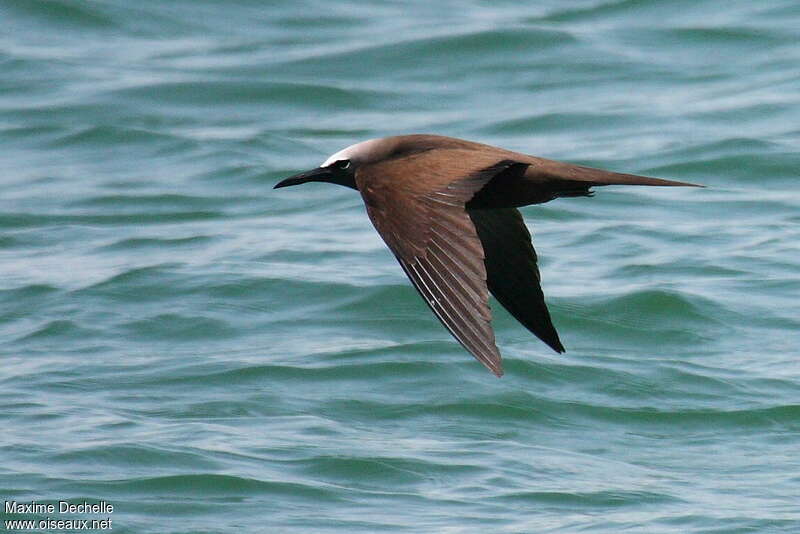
(495, 366)
(556, 346)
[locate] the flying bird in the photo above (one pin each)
(447, 209)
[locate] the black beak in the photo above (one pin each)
(321, 174)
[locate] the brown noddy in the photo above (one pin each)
(447, 209)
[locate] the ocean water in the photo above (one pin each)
(206, 354)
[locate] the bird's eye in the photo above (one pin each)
(342, 164)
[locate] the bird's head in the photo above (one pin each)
(341, 167)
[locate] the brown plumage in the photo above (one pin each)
(446, 208)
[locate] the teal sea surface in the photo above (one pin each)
(205, 354)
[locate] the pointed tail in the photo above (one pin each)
(583, 177)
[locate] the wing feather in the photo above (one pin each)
(512, 270)
(474, 334)
(438, 247)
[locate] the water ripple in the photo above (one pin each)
(210, 355)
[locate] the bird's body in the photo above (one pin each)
(446, 208)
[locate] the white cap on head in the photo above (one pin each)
(359, 152)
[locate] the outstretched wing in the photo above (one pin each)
(435, 241)
(512, 270)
